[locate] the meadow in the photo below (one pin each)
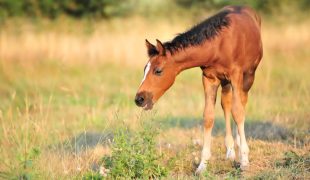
(67, 86)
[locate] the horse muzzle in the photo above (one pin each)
(144, 100)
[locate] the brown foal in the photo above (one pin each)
(228, 48)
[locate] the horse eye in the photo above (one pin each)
(158, 72)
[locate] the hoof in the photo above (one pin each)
(244, 165)
(230, 154)
(201, 168)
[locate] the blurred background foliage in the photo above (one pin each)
(122, 8)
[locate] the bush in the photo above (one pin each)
(265, 6)
(111, 8)
(72, 8)
(134, 156)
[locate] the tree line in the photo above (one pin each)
(122, 8)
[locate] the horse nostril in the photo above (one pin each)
(139, 100)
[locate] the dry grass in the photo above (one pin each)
(187, 147)
(114, 41)
(63, 78)
(119, 40)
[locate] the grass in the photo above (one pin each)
(61, 81)
(134, 156)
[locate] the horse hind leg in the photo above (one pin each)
(248, 79)
(226, 99)
(241, 83)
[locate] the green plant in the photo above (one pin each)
(234, 174)
(26, 165)
(295, 162)
(92, 176)
(134, 155)
(208, 175)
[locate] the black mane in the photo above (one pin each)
(205, 30)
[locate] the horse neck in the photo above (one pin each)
(196, 56)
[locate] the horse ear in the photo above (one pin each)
(151, 49)
(160, 48)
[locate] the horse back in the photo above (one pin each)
(243, 38)
(239, 47)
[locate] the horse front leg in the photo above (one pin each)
(210, 85)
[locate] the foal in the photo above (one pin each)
(228, 48)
